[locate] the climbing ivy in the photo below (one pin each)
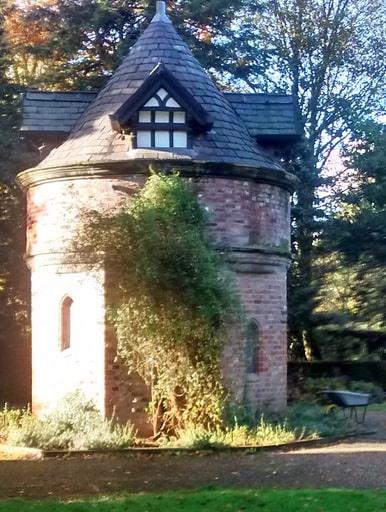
(170, 299)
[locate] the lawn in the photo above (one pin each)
(217, 500)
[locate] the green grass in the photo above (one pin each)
(217, 500)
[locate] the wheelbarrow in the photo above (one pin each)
(349, 401)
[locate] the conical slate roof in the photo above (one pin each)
(93, 140)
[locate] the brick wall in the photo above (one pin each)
(254, 219)
(244, 213)
(56, 372)
(54, 214)
(251, 218)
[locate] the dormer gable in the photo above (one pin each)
(161, 113)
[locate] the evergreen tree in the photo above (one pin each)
(77, 44)
(356, 240)
(13, 272)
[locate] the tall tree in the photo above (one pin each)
(75, 44)
(355, 241)
(13, 272)
(69, 43)
(331, 55)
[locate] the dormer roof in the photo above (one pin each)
(161, 78)
(160, 54)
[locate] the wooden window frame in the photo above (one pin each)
(170, 127)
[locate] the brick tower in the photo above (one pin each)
(159, 108)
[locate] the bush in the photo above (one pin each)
(171, 300)
(9, 418)
(313, 421)
(303, 421)
(264, 433)
(364, 371)
(75, 424)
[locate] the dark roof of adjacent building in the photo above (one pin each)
(266, 116)
(93, 141)
(53, 112)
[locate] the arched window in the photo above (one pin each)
(252, 348)
(65, 323)
(162, 123)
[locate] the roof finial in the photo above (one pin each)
(161, 7)
(161, 12)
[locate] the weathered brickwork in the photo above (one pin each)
(54, 215)
(242, 215)
(245, 213)
(254, 220)
(264, 299)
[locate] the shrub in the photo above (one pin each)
(171, 299)
(264, 433)
(9, 418)
(75, 424)
(313, 421)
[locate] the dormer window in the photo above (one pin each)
(161, 114)
(162, 123)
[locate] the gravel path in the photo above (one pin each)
(360, 463)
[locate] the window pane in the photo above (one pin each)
(180, 139)
(172, 103)
(162, 117)
(162, 139)
(153, 102)
(179, 117)
(144, 116)
(144, 139)
(162, 94)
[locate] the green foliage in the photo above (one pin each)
(216, 500)
(263, 433)
(300, 421)
(330, 55)
(9, 420)
(75, 424)
(354, 250)
(312, 421)
(77, 45)
(171, 298)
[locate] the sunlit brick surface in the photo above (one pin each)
(242, 215)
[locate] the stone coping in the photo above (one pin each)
(37, 175)
(41, 454)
